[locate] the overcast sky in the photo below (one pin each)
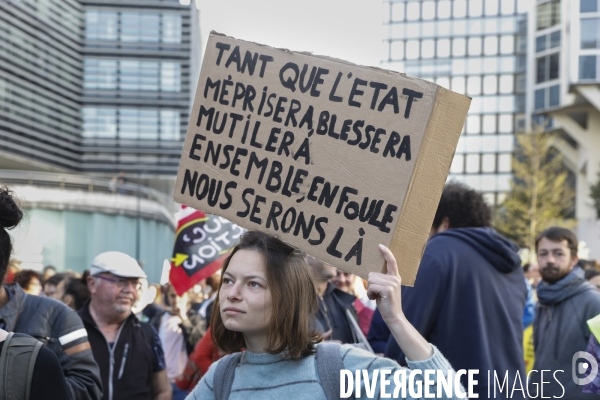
(348, 29)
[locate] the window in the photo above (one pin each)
(588, 6)
(444, 8)
(490, 83)
(504, 163)
(473, 124)
(547, 97)
(171, 28)
(587, 67)
(398, 50)
(554, 39)
(548, 14)
(398, 11)
(540, 99)
(505, 123)
(489, 124)
(508, 7)
(460, 8)
(99, 122)
(169, 125)
(507, 44)
(458, 84)
(100, 74)
(427, 48)
(428, 10)
(474, 46)
(547, 68)
(458, 47)
(475, 8)
(488, 163)
(491, 7)
(101, 25)
(412, 10)
(474, 85)
(412, 49)
(472, 163)
(589, 33)
(443, 48)
(540, 43)
(506, 84)
(554, 96)
(490, 45)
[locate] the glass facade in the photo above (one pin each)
(136, 81)
(477, 48)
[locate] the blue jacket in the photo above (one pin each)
(468, 300)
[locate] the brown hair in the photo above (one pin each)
(293, 295)
(25, 277)
(558, 234)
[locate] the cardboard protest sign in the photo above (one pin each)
(201, 244)
(332, 157)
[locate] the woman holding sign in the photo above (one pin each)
(266, 301)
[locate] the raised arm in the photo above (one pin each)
(385, 289)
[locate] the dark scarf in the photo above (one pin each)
(567, 287)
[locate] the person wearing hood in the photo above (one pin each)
(565, 303)
(469, 295)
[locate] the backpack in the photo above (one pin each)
(17, 361)
(329, 364)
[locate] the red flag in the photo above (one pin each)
(201, 244)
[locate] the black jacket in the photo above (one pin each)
(336, 303)
(468, 300)
(127, 370)
(61, 330)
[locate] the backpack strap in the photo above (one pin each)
(3, 360)
(34, 354)
(20, 352)
(224, 374)
(329, 365)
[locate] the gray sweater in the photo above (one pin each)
(270, 377)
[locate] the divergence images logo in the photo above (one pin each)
(582, 368)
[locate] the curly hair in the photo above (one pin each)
(24, 278)
(464, 207)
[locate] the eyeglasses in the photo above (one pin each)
(122, 283)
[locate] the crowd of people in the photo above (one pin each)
(275, 321)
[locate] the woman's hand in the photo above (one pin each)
(385, 289)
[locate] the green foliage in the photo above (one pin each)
(540, 195)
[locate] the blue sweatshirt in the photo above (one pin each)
(274, 377)
(468, 300)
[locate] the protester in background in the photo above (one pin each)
(470, 293)
(128, 351)
(48, 272)
(265, 302)
(179, 332)
(155, 307)
(532, 274)
(76, 291)
(321, 274)
(565, 302)
(354, 285)
(54, 324)
(593, 277)
(30, 281)
(205, 307)
(593, 348)
(336, 309)
(50, 285)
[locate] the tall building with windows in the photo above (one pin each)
(564, 94)
(90, 89)
(136, 85)
(478, 48)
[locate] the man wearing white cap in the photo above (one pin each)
(129, 352)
